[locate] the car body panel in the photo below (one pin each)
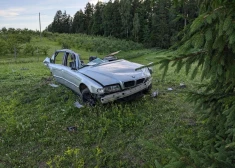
(99, 74)
(114, 72)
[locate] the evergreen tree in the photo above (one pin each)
(174, 27)
(56, 24)
(136, 10)
(160, 24)
(135, 7)
(153, 22)
(66, 22)
(189, 11)
(4, 30)
(61, 23)
(146, 21)
(116, 20)
(78, 24)
(209, 44)
(88, 18)
(107, 18)
(146, 35)
(125, 12)
(136, 27)
(97, 26)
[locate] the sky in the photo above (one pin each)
(25, 13)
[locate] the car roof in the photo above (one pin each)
(66, 50)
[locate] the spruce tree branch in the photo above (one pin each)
(188, 55)
(214, 96)
(173, 59)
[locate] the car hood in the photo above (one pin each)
(114, 72)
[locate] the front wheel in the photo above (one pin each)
(87, 97)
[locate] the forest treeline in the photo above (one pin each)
(155, 23)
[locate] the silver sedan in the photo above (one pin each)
(103, 80)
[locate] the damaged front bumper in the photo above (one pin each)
(120, 95)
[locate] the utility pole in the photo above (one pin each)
(40, 34)
(15, 52)
(40, 27)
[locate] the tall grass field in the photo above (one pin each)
(34, 117)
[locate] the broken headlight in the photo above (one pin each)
(109, 89)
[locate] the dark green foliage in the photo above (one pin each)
(110, 19)
(125, 13)
(136, 27)
(160, 24)
(154, 23)
(88, 17)
(78, 25)
(209, 43)
(97, 26)
(116, 20)
(62, 23)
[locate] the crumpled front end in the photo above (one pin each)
(127, 92)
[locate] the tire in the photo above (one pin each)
(87, 97)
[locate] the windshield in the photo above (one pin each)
(96, 62)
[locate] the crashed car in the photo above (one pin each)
(103, 80)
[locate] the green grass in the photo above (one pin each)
(34, 118)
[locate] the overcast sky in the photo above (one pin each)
(25, 13)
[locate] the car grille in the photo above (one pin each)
(129, 84)
(133, 83)
(139, 81)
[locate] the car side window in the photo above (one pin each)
(59, 59)
(68, 59)
(72, 61)
(65, 59)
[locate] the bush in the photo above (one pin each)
(47, 34)
(65, 45)
(20, 38)
(95, 43)
(29, 49)
(13, 46)
(3, 47)
(43, 49)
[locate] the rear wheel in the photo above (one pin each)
(87, 97)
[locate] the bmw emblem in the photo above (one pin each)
(133, 76)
